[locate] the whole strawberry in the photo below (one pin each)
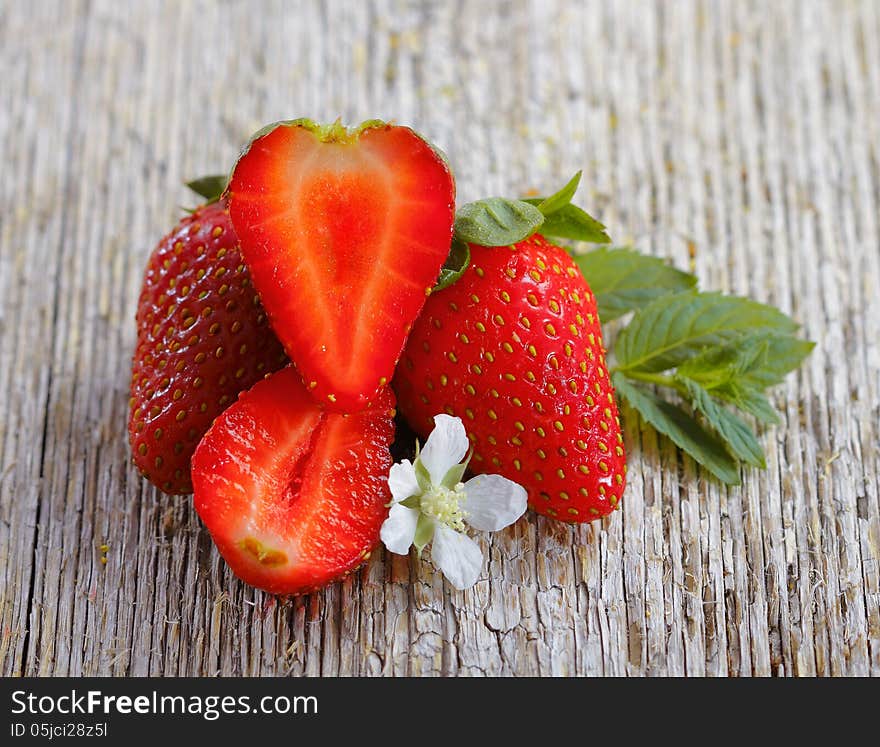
(514, 348)
(202, 339)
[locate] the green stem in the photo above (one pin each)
(650, 378)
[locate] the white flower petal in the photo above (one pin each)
(493, 502)
(445, 447)
(402, 481)
(399, 529)
(457, 555)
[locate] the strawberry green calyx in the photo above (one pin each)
(564, 220)
(210, 187)
(499, 221)
(557, 201)
(456, 263)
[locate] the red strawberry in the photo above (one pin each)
(345, 232)
(514, 348)
(202, 339)
(294, 495)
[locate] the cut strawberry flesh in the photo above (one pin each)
(344, 234)
(294, 495)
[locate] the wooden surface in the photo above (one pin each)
(740, 138)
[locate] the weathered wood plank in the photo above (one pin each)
(735, 138)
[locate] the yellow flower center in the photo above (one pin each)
(444, 504)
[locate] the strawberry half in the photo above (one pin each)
(294, 495)
(514, 349)
(345, 232)
(202, 337)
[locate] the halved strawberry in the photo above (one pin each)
(294, 495)
(344, 232)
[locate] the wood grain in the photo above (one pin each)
(739, 138)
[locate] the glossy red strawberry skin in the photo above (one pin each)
(294, 495)
(202, 337)
(514, 349)
(345, 233)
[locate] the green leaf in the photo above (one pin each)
(773, 359)
(739, 371)
(748, 399)
(624, 280)
(682, 429)
(424, 532)
(739, 439)
(497, 221)
(456, 263)
(753, 402)
(571, 222)
(562, 198)
(673, 328)
(209, 187)
(755, 361)
(719, 365)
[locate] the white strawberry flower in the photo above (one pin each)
(430, 503)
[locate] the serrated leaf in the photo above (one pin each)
(740, 370)
(681, 428)
(717, 366)
(772, 361)
(497, 221)
(456, 263)
(755, 361)
(673, 328)
(209, 187)
(624, 280)
(424, 532)
(571, 222)
(738, 437)
(560, 199)
(753, 402)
